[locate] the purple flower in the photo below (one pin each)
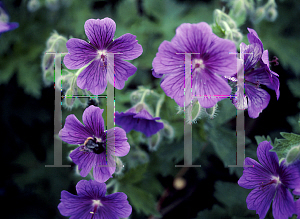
(94, 54)
(95, 145)
(91, 202)
(210, 61)
(270, 181)
(5, 25)
(257, 72)
(139, 119)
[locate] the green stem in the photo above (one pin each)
(111, 183)
(144, 95)
(53, 44)
(159, 104)
(116, 188)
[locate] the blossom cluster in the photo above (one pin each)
(214, 67)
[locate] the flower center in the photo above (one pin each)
(274, 179)
(197, 64)
(96, 204)
(95, 145)
(101, 55)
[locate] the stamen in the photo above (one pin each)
(275, 59)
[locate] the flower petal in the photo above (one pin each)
(127, 45)
(92, 118)
(125, 120)
(193, 38)
(251, 54)
(118, 204)
(121, 146)
(268, 158)
(73, 131)
(260, 199)
(80, 53)
(84, 160)
(100, 32)
(221, 57)
(290, 175)
(253, 38)
(283, 204)
(93, 78)
(258, 100)
(173, 85)
(8, 26)
(72, 205)
(168, 60)
(146, 124)
(91, 189)
(123, 70)
(254, 176)
(104, 168)
(210, 89)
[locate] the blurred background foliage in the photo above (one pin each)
(155, 188)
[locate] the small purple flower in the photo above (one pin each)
(5, 25)
(95, 145)
(210, 61)
(139, 119)
(270, 181)
(91, 202)
(100, 34)
(257, 72)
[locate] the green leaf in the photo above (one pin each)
(282, 146)
(260, 139)
(134, 175)
(141, 200)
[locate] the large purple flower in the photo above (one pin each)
(96, 146)
(257, 72)
(210, 60)
(139, 119)
(270, 181)
(94, 54)
(5, 25)
(91, 202)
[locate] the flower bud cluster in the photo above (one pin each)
(55, 44)
(267, 12)
(224, 24)
(293, 154)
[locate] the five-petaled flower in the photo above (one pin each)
(95, 55)
(5, 25)
(210, 59)
(139, 119)
(270, 181)
(96, 146)
(91, 202)
(257, 72)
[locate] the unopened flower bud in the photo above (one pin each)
(224, 20)
(237, 37)
(135, 96)
(56, 43)
(168, 130)
(271, 14)
(293, 154)
(119, 166)
(69, 99)
(48, 68)
(259, 14)
(193, 112)
(33, 5)
(53, 5)
(83, 100)
(153, 141)
(212, 112)
(238, 7)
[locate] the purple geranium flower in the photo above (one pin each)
(96, 145)
(257, 72)
(139, 119)
(5, 25)
(270, 181)
(91, 202)
(210, 60)
(100, 34)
